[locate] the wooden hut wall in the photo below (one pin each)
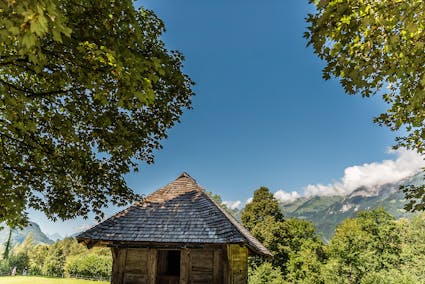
(209, 265)
(134, 266)
(238, 264)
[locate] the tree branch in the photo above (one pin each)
(30, 93)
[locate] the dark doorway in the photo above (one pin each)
(168, 267)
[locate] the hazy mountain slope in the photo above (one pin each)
(18, 236)
(55, 237)
(326, 212)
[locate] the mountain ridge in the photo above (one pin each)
(18, 236)
(326, 212)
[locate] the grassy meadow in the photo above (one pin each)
(44, 280)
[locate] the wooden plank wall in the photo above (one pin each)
(238, 264)
(197, 266)
(118, 261)
(133, 266)
(202, 266)
(219, 263)
(135, 270)
(207, 266)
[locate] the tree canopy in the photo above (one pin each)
(285, 238)
(377, 47)
(263, 206)
(87, 91)
(369, 243)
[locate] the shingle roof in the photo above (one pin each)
(180, 212)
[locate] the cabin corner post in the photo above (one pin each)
(218, 269)
(152, 265)
(227, 266)
(185, 266)
(118, 264)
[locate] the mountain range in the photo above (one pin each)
(18, 236)
(326, 212)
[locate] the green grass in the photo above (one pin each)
(43, 280)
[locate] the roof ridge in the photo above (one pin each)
(185, 175)
(166, 188)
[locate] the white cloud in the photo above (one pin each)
(233, 204)
(372, 175)
(284, 196)
(83, 227)
(249, 200)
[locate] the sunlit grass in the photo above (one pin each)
(43, 280)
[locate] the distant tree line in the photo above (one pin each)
(62, 259)
(371, 248)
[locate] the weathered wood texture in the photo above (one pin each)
(238, 264)
(133, 266)
(136, 266)
(185, 266)
(152, 261)
(119, 258)
(202, 266)
(218, 269)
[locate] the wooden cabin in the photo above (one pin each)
(178, 234)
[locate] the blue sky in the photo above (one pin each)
(262, 114)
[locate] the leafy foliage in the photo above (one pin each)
(7, 245)
(263, 205)
(305, 265)
(284, 238)
(369, 243)
(371, 45)
(47, 280)
(16, 260)
(413, 252)
(392, 276)
(89, 265)
(87, 89)
(265, 274)
(66, 257)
